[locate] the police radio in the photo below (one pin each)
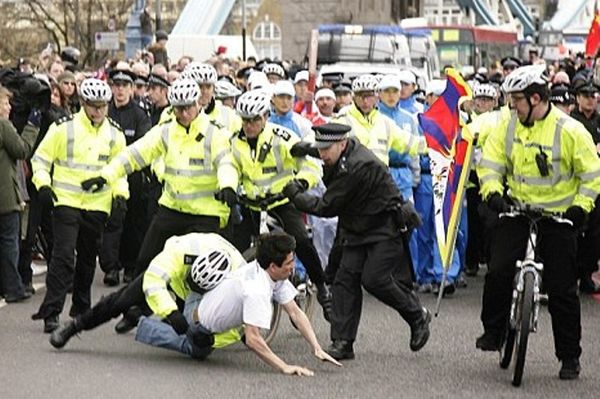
(541, 159)
(264, 151)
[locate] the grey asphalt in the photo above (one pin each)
(102, 364)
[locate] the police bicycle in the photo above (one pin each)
(306, 289)
(525, 304)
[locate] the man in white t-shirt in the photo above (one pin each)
(243, 299)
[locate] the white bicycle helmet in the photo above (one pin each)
(253, 103)
(275, 69)
(224, 89)
(366, 82)
(523, 77)
(201, 73)
(183, 92)
(485, 90)
(208, 270)
(95, 90)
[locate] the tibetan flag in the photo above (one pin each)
(593, 40)
(450, 147)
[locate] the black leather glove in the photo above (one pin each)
(410, 217)
(46, 196)
(304, 148)
(576, 215)
(178, 322)
(99, 182)
(497, 203)
(35, 117)
(228, 196)
(200, 338)
(295, 187)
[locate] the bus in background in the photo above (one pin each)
(469, 45)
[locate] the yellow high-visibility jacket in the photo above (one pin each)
(78, 151)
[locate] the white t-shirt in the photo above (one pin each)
(244, 297)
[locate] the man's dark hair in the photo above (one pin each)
(274, 247)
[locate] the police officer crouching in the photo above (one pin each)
(372, 217)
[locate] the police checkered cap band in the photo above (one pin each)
(331, 138)
(122, 76)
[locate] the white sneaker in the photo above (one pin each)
(38, 268)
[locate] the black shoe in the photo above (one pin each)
(489, 342)
(76, 311)
(128, 277)
(62, 334)
(570, 369)
(20, 298)
(324, 298)
(419, 332)
(125, 325)
(588, 286)
(29, 289)
(471, 270)
(111, 279)
(341, 350)
(449, 289)
(51, 323)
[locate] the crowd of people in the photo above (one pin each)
(140, 165)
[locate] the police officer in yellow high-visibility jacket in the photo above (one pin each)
(72, 151)
(194, 262)
(261, 152)
(198, 165)
(374, 130)
(548, 161)
(205, 76)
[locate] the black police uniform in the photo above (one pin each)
(361, 192)
(132, 225)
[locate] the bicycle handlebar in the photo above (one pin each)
(535, 213)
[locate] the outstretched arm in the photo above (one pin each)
(257, 344)
(301, 321)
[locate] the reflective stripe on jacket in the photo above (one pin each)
(78, 151)
(380, 134)
(573, 167)
(259, 179)
(197, 164)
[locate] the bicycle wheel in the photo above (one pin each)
(523, 327)
(268, 335)
(507, 348)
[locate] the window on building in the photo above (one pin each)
(267, 40)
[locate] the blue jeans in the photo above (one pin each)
(12, 286)
(156, 333)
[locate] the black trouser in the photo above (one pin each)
(293, 224)
(588, 251)
(382, 268)
(335, 257)
(40, 215)
(111, 306)
(557, 248)
(476, 235)
(110, 244)
(167, 223)
(78, 230)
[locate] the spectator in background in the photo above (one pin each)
(68, 88)
(159, 49)
(56, 68)
(183, 62)
(12, 148)
(24, 66)
(146, 26)
(160, 70)
(343, 96)
(172, 76)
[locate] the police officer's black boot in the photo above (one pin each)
(419, 332)
(324, 298)
(341, 350)
(62, 334)
(111, 278)
(129, 320)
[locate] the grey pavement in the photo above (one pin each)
(102, 364)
